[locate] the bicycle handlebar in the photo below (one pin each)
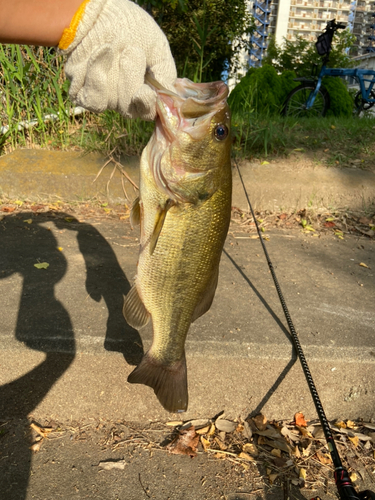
(335, 26)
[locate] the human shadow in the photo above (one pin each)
(44, 325)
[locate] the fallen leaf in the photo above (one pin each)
(185, 443)
(299, 419)
(174, 423)
(60, 249)
(304, 432)
(36, 446)
(205, 443)
(362, 264)
(203, 430)
(340, 424)
(112, 464)
(298, 149)
(220, 443)
(353, 476)
(272, 478)
(29, 221)
(350, 424)
(69, 219)
(211, 432)
(8, 209)
(260, 421)
(41, 265)
(276, 452)
(329, 224)
(302, 474)
(323, 458)
(20, 203)
(251, 449)
(42, 431)
(225, 425)
(245, 456)
(354, 440)
(282, 216)
(265, 163)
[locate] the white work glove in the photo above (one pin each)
(110, 45)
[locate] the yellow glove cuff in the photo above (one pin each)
(70, 33)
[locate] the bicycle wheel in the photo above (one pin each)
(295, 103)
(361, 104)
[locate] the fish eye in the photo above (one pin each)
(221, 132)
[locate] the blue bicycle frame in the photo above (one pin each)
(358, 74)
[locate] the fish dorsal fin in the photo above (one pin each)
(208, 297)
(135, 213)
(159, 222)
(134, 310)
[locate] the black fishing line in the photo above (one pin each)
(343, 482)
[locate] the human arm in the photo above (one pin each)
(110, 45)
(35, 22)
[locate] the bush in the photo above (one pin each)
(262, 91)
(341, 101)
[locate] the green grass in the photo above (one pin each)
(33, 85)
(337, 141)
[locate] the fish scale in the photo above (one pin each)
(184, 207)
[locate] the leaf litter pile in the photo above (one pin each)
(284, 453)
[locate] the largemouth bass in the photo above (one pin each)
(184, 211)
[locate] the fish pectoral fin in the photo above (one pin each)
(134, 310)
(159, 222)
(208, 297)
(135, 213)
(168, 381)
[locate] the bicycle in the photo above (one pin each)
(311, 98)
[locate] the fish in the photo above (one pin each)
(184, 209)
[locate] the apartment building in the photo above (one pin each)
(287, 19)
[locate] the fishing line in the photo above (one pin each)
(343, 482)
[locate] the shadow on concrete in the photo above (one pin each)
(44, 325)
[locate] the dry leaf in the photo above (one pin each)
(221, 445)
(205, 443)
(324, 458)
(276, 452)
(174, 423)
(245, 456)
(340, 424)
(225, 425)
(36, 446)
(211, 432)
(272, 478)
(185, 443)
(302, 474)
(354, 440)
(29, 221)
(350, 424)
(204, 430)
(260, 421)
(251, 449)
(363, 265)
(300, 420)
(304, 432)
(8, 209)
(353, 476)
(42, 431)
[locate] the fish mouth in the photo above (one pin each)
(190, 108)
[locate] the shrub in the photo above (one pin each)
(341, 101)
(262, 91)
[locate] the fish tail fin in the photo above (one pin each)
(168, 381)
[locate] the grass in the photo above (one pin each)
(337, 141)
(33, 85)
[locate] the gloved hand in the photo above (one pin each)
(110, 45)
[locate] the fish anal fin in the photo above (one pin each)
(208, 297)
(159, 222)
(134, 310)
(135, 213)
(169, 382)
